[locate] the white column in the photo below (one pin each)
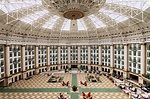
(47, 57)
(125, 57)
(59, 58)
(7, 61)
(23, 61)
(36, 60)
(7, 65)
(79, 54)
(23, 57)
(143, 58)
(58, 61)
(69, 56)
(89, 55)
(126, 68)
(100, 55)
(111, 57)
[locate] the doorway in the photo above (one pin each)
(74, 66)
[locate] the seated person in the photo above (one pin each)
(89, 94)
(121, 86)
(84, 97)
(134, 89)
(85, 83)
(90, 98)
(83, 94)
(67, 83)
(145, 88)
(81, 82)
(60, 96)
(136, 97)
(63, 83)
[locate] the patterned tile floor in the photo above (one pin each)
(27, 95)
(104, 90)
(40, 81)
(105, 95)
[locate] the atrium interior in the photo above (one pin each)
(74, 49)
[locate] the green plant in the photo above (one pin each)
(74, 88)
(146, 76)
(132, 86)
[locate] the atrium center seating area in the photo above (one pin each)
(131, 88)
(55, 90)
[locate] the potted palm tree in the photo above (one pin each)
(74, 88)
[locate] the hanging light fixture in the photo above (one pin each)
(73, 9)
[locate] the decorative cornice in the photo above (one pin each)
(111, 44)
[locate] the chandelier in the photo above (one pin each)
(73, 9)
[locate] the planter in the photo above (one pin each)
(74, 88)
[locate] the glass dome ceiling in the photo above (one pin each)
(32, 15)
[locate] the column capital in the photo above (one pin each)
(89, 45)
(126, 70)
(100, 45)
(7, 76)
(143, 43)
(111, 44)
(23, 71)
(103, 44)
(23, 45)
(125, 44)
(7, 45)
(78, 45)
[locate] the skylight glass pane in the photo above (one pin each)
(118, 17)
(49, 24)
(31, 18)
(81, 24)
(11, 5)
(98, 23)
(66, 25)
(140, 4)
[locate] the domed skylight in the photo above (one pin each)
(33, 11)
